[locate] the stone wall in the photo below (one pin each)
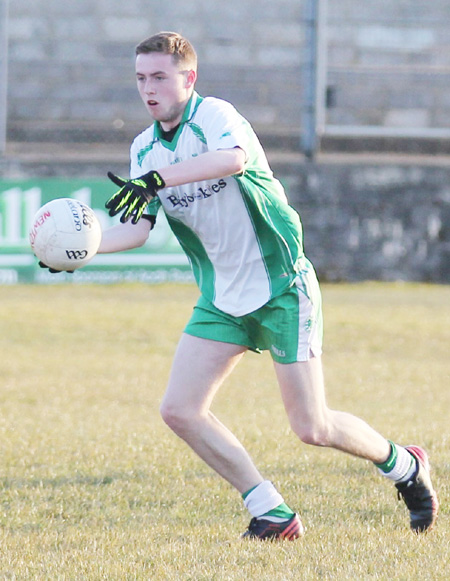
(71, 79)
(75, 61)
(372, 219)
(72, 62)
(388, 63)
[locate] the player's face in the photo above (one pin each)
(164, 87)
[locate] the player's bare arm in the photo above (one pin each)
(210, 165)
(124, 237)
(134, 195)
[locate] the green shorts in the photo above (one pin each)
(289, 326)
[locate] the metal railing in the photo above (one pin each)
(3, 71)
(375, 70)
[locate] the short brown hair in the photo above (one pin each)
(171, 43)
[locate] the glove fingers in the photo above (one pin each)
(52, 270)
(132, 198)
(110, 203)
(138, 214)
(116, 202)
(124, 218)
(116, 179)
(136, 211)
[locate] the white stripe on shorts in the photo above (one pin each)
(310, 327)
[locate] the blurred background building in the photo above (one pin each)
(70, 65)
(351, 100)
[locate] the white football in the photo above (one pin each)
(65, 234)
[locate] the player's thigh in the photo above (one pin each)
(302, 389)
(198, 369)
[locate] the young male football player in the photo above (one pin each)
(202, 165)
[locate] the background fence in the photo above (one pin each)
(342, 76)
(386, 65)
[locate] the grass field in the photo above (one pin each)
(94, 485)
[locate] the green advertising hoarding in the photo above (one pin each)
(159, 260)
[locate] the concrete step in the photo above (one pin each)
(118, 135)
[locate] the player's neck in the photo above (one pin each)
(170, 134)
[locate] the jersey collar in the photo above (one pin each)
(189, 112)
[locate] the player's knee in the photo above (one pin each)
(314, 434)
(175, 417)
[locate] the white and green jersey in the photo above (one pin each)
(242, 238)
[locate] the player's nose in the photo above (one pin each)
(149, 88)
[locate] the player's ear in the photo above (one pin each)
(191, 78)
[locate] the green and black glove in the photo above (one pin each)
(134, 195)
(53, 270)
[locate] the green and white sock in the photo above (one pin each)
(400, 466)
(264, 501)
(279, 514)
